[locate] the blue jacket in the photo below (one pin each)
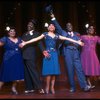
(66, 44)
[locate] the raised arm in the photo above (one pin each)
(59, 30)
(71, 40)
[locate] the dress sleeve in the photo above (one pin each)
(45, 34)
(3, 39)
(57, 36)
(20, 40)
(81, 37)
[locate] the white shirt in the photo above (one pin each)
(31, 32)
(53, 18)
(71, 34)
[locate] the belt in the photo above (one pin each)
(52, 49)
(70, 44)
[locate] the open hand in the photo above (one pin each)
(80, 43)
(21, 45)
(52, 15)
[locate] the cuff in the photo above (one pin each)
(53, 18)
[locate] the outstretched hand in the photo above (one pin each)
(80, 43)
(21, 45)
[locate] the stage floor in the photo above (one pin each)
(62, 92)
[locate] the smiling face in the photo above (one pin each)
(30, 26)
(69, 27)
(12, 33)
(91, 30)
(51, 28)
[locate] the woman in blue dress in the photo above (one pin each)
(51, 67)
(12, 67)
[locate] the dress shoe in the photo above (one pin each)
(28, 91)
(87, 89)
(41, 91)
(14, 91)
(93, 86)
(72, 90)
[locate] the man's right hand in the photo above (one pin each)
(80, 43)
(52, 15)
(21, 45)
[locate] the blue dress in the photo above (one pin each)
(12, 67)
(51, 65)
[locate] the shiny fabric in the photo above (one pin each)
(12, 67)
(51, 65)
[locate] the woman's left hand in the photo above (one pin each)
(80, 43)
(21, 45)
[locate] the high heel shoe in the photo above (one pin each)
(47, 91)
(92, 86)
(52, 91)
(14, 91)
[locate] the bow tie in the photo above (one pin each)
(71, 34)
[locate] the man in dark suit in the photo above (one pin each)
(32, 79)
(71, 56)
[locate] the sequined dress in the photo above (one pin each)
(12, 66)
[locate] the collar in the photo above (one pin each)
(31, 32)
(71, 33)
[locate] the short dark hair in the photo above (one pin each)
(33, 21)
(13, 28)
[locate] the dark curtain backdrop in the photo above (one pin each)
(17, 13)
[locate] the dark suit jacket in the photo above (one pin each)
(29, 51)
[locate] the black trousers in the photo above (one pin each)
(32, 79)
